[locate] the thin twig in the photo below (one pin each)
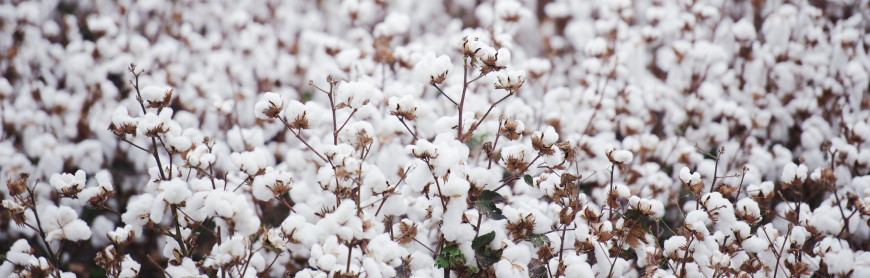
(515, 176)
(462, 99)
(476, 125)
(55, 260)
(303, 141)
(345, 123)
(408, 128)
(445, 95)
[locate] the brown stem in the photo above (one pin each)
(781, 248)
(266, 271)
(516, 175)
(610, 193)
(716, 169)
(494, 143)
(686, 256)
(424, 246)
(132, 70)
(344, 124)
(55, 260)
(477, 124)
(597, 107)
(408, 128)
(151, 259)
(120, 137)
(562, 245)
(349, 253)
(462, 99)
(298, 136)
(177, 235)
(445, 95)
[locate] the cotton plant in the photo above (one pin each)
(353, 138)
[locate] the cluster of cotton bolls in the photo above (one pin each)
(385, 138)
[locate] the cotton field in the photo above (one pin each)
(456, 138)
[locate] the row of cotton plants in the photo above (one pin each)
(380, 138)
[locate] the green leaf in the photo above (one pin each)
(486, 204)
(441, 261)
(476, 140)
(489, 259)
(491, 196)
(480, 243)
(538, 272)
(307, 96)
(537, 240)
(449, 256)
(491, 211)
(529, 180)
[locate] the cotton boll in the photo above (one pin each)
(430, 69)
(356, 94)
(479, 49)
(827, 219)
(596, 48)
(101, 225)
(404, 107)
(123, 122)
(836, 254)
(200, 157)
(655, 208)
(394, 24)
(347, 57)
(388, 251)
(503, 57)
(20, 253)
(249, 162)
(257, 262)
(171, 249)
(622, 191)
(763, 190)
(744, 30)
(755, 244)
(575, 266)
(861, 130)
(67, 183)
(453, 228)
(741, 229)
(788, 173)
(187, 268)
(122, 235)
(175, 191)
(64, 225)
(152, 95)
(376, 180)
(675, 246)
(269, 107)
(697, 220)
(395, 205)
(129, 268)
(104, 180)
(515, 259)
(357, 134)
(688, 177)
(263, 184)
(799, 235)
(748, 210)
(622, 156)
(138, 211)
(510, 80)
(801, 172)
(292, 224)
(510, 10)
(549, 136)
